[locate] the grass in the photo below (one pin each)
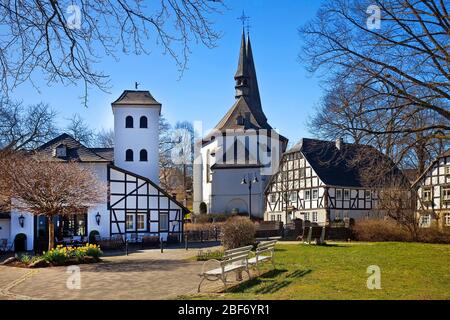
(339, 271)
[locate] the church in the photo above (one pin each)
(134, 204)
(237, 158)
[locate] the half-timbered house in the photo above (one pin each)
(433, 193)
(319, 181)
(134, 203)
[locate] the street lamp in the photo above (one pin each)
(21, 220)
(250, 183)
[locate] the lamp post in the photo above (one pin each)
(250, 183)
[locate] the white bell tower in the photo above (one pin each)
(136, 134)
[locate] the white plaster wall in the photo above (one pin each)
(28, 227)
(137, 139)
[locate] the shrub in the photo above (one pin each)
(238, 232)
(434, 235)
(380, 230)
(62, 255)
(92, 236)
(203, 208)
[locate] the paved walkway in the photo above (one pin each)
(144, 275)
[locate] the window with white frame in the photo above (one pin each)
(278, 217)
(447, 219)
(307, 194)
(293, 196)
(425, 221)
(426, 194)
(346, 194)
(447, 170)
(446, 193)
(306, 215)
(338, 194)
(367, 194)
(273, 198)
(141, 222)
(315, 194)
(130, 222)
(164, 221)
(314, 217)
(273, 218)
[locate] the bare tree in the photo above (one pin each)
(343, 114)
(105, 139)
(80, 130)
(65, 40)
(25, 127)
(42, 187)
(407, 59)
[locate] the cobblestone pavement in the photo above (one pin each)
(142, 275)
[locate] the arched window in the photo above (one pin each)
(143, 122)
(129, 122)
(143, 155)
(129, 155)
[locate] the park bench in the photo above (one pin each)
(264, 253)
(235, 260)
(316, 234)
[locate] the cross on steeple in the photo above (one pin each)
(245, 19)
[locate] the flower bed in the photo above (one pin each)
(60, 256)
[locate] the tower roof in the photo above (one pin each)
(133, 97)
(248, 101)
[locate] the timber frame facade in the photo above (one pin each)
(433, 193)
(298, 191)
(139, 207)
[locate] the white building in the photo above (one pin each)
(319, 182)
(433, 192)
(243, 146)
(135, 205)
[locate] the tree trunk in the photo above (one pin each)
(51, 233)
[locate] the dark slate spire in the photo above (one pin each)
(254, 97)
(242, 70)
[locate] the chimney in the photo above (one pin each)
(339, 143)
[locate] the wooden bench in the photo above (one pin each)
(316, 234)
(235, 260)
(264, 253)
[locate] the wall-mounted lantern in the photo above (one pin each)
(97, 218)
(21, 220)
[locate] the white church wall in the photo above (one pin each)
(227, 188)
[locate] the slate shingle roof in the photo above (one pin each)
(136, 97)
(75, 150)
(344, 167)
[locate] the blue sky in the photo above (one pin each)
(206, 90)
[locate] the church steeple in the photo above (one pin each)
(246, 80)
(242, 75)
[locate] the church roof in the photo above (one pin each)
(246, 112)
(76, 151)
(133, 97)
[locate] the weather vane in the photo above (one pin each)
(136, 85)
(245, 19)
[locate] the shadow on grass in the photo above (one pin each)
(270, 282)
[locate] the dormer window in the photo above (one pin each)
(60, 151)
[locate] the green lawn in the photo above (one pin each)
(338, 271)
